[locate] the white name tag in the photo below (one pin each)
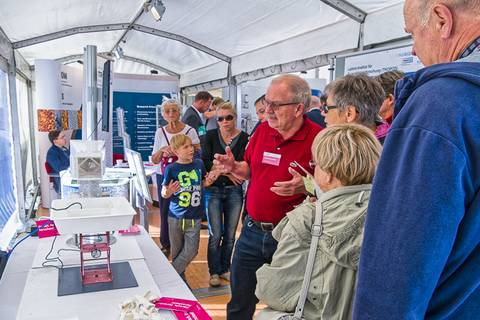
(271, 158)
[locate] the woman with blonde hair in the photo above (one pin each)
(163, 155)
(225, 197)
(314, 270)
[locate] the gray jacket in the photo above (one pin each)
(332, 287)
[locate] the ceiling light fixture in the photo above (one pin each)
(157, 9)
(119, 53)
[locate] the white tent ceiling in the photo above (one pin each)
(202, 36)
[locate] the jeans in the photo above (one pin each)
(163, 205)
(184, 240)
(223, 211)
(254, 248)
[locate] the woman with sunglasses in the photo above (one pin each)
(225, 196)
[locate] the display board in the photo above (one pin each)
(140, 120)
(138, 96)
(376, 62)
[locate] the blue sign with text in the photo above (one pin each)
(140, 120)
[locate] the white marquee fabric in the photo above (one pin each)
(254, 34)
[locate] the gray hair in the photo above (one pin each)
(169, 102)
(360, 91)
(425, 7)
(298, 87)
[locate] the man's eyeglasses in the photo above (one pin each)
(276, 105)
(325, 109)
(228, 118)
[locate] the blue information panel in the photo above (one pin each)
(140, 120)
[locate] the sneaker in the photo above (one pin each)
(225, 276)
(214, 280)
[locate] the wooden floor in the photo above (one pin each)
(197, 272)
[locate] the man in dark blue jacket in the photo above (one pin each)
(421, 250)
(58, 156)
(193, 116)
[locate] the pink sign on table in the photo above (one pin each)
(183, 309)
(47, 228)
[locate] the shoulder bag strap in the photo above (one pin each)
(165, 134)
(316, 233)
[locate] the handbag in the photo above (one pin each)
(298, 314)
(165, 161)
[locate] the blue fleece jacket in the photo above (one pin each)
(421, 252)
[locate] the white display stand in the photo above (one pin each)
(40, 301)
(29, 293)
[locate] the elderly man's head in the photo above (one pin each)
(353, 99)
(441, 29)
(286, 100)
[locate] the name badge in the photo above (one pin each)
(271, 158)
(201, 130)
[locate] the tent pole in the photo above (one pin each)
(89, 111)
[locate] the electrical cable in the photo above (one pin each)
(38, 228)
(95, 130)
(74, 203)
(51, 260)
(24, 238)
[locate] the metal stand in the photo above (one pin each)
(97, 273)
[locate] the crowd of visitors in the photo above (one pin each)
(336, 226)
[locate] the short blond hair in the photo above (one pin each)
(349, 152)
(228, 106)
(179, 140)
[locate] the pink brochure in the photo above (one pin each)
(198, 311)
(174, 304)
(192, 315)
(182, 308)
(47, 228)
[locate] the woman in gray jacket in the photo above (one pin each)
(345, 160)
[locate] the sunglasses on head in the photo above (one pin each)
(228, 118)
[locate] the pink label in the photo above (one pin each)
(132, 230)
(271, 158)
(47, 228)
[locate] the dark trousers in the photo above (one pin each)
(254, 248)
(163, 204)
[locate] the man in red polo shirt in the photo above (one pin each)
(285, 137)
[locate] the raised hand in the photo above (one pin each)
(224, 163)
(290, 187)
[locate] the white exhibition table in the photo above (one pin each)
(28, 291)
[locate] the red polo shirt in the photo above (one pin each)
(262, 204)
